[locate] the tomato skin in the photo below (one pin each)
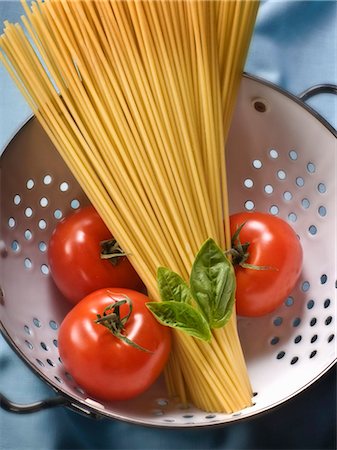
(273, 243)
(74, 257)
(103, 365)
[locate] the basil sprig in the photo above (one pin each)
(206, 303)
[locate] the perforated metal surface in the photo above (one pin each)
(282, 160)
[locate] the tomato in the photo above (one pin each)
(272, 246)
(105, 366)
(75, 262)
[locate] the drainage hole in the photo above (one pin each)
(44, 202)
(313, 230)
(275, 340)
(28, 235)
(305, 286)
(310, 304)
(42, 224)
(37, 322)
(27, 329)
(322, 211)
(44, 269)
(287, 195)
(11, 222)
(298, 339)
(281, 175)
(311, 167)
(249, 205)
(328, 320)
(42, 246)
(58, 214)
(292, 217)
(268, 189)
(278, 321)
(15, 246)
(296, 322)
(64, 186)
(30, 184)
(28, 212)
(305, 203)
(280, 355)
(273, 153)
(75, 204)
(324, 278)
(321, 188)
(289, 301)
(293, 155)
(44, 346)
(274, 210)
(47, 179)
(327, 303)
(53, 325)
(29, 345)
(248, 183)
(17, 199)
(300, 181)
(28, 263)
(257, 164)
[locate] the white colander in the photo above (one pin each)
(282, 160)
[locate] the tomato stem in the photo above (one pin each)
(239, 252)
(111, 250)
(112, 320)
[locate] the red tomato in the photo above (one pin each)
(105, 366)
(75, 262)
(274, 246)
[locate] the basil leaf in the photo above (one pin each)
(181, 316)
(172, 287)
(212, 283)
(229, 310)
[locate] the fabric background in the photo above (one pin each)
(294, 46)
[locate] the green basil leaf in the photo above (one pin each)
(172, 287)
(228, 312)
(212, 283)
(181, 316)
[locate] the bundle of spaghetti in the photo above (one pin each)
(137, 97)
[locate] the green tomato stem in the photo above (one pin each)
(111, 251)
(112, 320)
(239, 252)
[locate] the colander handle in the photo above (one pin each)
(19, 408)
(318, 89)
(52, 402)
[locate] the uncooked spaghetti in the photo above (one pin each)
(137, 97)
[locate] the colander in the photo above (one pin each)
(281, 160)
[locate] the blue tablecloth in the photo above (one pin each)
(294, 46)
